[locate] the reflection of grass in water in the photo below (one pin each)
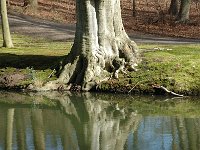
(26, 100)
(155, 105)
(174, 107)
(142, 105)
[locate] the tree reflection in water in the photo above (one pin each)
(89, 122)
(81, 122)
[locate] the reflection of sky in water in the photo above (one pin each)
(29, 138)
(165, 133)
(153, 134)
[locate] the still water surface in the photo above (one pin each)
(56, 121)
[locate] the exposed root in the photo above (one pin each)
(168, 91)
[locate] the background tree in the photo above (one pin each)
(134, 7)
(32, 4)
(101, 46)
(183, 15)
(173, 9)
(7, 41)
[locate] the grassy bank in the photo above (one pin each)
(175, 67)
(32, 60)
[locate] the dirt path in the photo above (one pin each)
(62, 32)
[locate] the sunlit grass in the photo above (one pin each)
(36, 46)
(32, 54)
(175, 67)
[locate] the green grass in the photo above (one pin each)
(32, 54)
(175, 67)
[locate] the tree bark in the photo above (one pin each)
(134, 8)
(173, 9)
(183, 15)
(7, 41)
(101, 46)
(31, 4)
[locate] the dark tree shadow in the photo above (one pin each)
(38, 62)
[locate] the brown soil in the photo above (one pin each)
(11, 80)
(151, 16)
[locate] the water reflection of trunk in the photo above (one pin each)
(38, 129)
(9, 130)
(189, 133)
(182, 133)
(98, 124)
(68, 135)
(174, 130)
(21, 129)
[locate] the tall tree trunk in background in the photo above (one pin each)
(173, 9)
(8, 3)
(101, 46)
(31, 4)
(134, 8)
(183, 15)
(7, 41)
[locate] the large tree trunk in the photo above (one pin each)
(101, 46)
(7, 41)
(173, 9)
(183, 15)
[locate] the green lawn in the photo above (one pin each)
(175, 67)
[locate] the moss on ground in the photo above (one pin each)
(175, 67)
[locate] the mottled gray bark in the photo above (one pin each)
(173, 9)
(7, 41)
(183, 15)
(101, 46)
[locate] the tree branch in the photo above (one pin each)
(167, 91)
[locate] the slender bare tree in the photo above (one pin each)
(173, 9)
(31, 4)
(134, 7)
(183, 15)
(7, 41)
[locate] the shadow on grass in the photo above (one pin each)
(38, 62)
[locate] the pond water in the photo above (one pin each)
(73, 121)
